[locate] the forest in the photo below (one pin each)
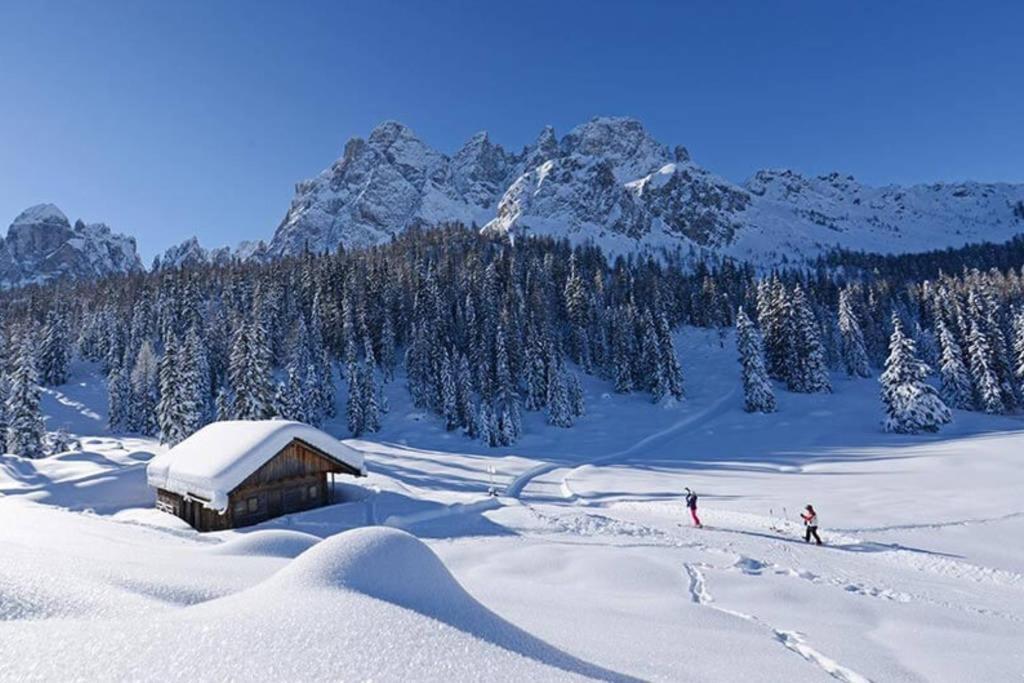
(480, 330)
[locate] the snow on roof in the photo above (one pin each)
(211, 463)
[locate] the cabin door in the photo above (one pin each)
(274, 507)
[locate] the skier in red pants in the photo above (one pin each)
(691, 504)
(810, 518)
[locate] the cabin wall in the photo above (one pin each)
(193, 512)
(255, 504)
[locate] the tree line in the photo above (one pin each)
(480, 330)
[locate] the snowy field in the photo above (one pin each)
(586, 567)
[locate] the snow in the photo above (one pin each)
(211, 463)
(40, 213)
(586, 567)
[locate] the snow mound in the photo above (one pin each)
(268, 543)
(383, 563)
(396, 567)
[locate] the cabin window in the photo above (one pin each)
(313, 491)
(240, 507)
(254, 504)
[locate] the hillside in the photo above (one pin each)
(586, 567)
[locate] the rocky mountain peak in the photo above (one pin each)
(41, 245)
(609, 180)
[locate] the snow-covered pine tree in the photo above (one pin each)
(119, 392)
(808, 371)
(197, 374)
(559, 408)
(671, 370)
(654, 372)
(370, 394)
(852, 348)
(4, 392)
(758, 394)
(987, 392)
(54, 349)
(25, 432)
(354, 403)
(1018, 348)
(249, 373)
(575, 391)
(486, 424)
(773, 312)
(911, 404)
(536, 373)
(59, 441)
(956, 389)
(464, 397)
(506, 396)
(449, 393)
(222, 405)
(577, 311)
(175, 404)
(145, 391)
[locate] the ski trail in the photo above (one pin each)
(791, 640)
(935, 525)
(515, 488)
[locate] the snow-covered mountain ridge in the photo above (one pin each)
(610, 181)
(42, 245)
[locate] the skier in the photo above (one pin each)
(691, 504)
(810, 518)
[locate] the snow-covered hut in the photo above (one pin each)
(236, 473)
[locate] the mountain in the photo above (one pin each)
(610, 181)
(190, 254)
(41, 245)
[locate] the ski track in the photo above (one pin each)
(515, 488)
(590, 525)
(934, 525)
(791, 640)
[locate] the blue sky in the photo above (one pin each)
(167, 119)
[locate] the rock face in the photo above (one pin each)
(41, 245)
(609, 181)
(189, 254)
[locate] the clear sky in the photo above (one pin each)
(167, 119)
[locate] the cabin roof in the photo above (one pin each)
(211, 463)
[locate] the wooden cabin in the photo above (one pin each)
(237, 473)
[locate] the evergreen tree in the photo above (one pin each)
(758, 394)
(911, 404)
(174, 405)
(25, 432)
(560, 412)
(808, 372)
(853, 352)
(249, 373)
(145, 391)
(449, 393)
(355, 403)
(987, 392)
(956, 382)
(575, 390)
(60, 441)
(222, 405)
(55, 349)
(1018, 349)
(670, 368)
(119, 392)
(4, 423)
